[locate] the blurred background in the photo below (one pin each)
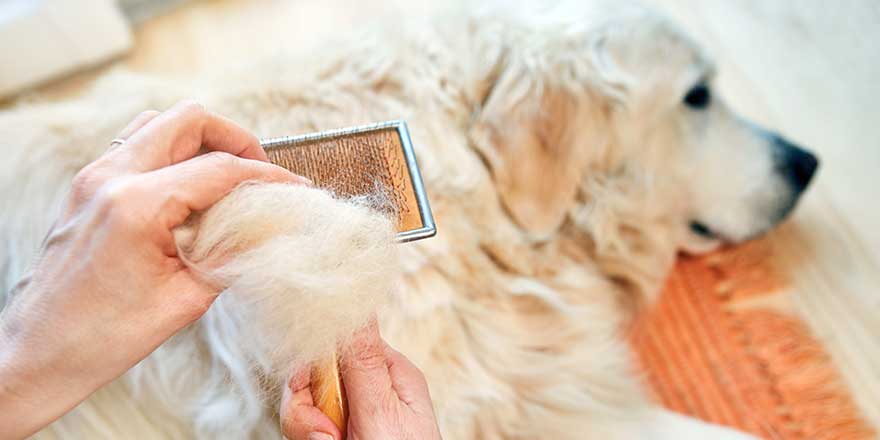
(810, 69)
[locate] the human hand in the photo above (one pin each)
(387, 397)
(109, 287)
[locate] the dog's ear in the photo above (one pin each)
(533, 137)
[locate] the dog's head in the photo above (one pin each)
(613, 129)
(737, 180)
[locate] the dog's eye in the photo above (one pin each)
(698, 97)
(701, 230)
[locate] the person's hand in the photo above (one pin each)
(108, 286)
(387, 395)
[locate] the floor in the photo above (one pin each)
(811, 72)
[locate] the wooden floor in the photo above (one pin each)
(813, 73)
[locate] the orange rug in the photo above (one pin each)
(719, 345)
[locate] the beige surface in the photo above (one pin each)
(811, 73)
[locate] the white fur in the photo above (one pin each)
(294, 261)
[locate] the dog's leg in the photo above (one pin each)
(114, 412)
(662, 424)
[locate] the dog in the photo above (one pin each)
(569, 153)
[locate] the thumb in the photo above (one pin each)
(364, 370)
(300, 418)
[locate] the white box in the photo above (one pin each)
(43, 39)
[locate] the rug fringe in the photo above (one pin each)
(719, 346)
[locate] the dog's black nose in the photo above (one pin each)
(798, 165)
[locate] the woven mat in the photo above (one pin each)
(720, 345)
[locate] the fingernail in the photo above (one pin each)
(299, 379)
(308, 181)
(320, 436)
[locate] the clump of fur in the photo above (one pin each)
(303, 268)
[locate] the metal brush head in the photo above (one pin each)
(363, 160)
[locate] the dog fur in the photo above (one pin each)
(564, 173)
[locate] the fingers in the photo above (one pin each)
(179, 133)
(155, 140)
(198, 183)
(365, 371)
(300, 419)
(137, 123)
(408, 381)
(96, 173)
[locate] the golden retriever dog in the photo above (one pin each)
(569, 152)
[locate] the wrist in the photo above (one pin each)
(19, 415)
(38, 379)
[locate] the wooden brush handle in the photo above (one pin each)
(329, 393)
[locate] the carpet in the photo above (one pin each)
(719, 345)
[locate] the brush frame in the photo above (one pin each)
(428, 227)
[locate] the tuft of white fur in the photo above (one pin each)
(303, 268)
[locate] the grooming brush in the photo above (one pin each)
(358, 161)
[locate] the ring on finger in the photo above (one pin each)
(115, 143)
